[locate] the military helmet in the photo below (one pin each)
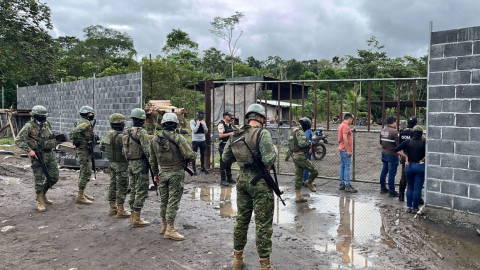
(169, 117)
(306, 120)
(138, 113)
(39, 110)
(418, 128)
(117, 118)
(86, 109)
(257, 109)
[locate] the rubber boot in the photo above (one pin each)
(88, 197)
(122, 213)
(164, 226)
(224, 183)
(238, 261)
(171, 232)
(113, 209)
(298, 197)
(231, 180)
(310, 185)
(137, 221)
(401, 196)
(265, 264)
(81, 198)
(47, 201)
(40, 203)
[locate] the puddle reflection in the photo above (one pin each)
(227, 199)
(356, 223)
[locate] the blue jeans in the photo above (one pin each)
(305, 172)
(415, 173)
(390, 165)
(345, 165)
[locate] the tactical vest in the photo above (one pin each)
(113, 149)
(293, 142)
(84, 137)
(240, 151)
(405, 134)
(168, 155)
(47, 139)
(132, 149)
(228, 129)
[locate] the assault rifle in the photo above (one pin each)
(91, 146)
(185, 167)
(147, 163)
(148, 167)
(263, 172)
(40, 160)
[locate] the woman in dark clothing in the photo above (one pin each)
(413, 151)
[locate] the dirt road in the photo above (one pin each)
(333, 230)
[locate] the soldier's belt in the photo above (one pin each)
(298, 153)
(171, 168)
(134, 158)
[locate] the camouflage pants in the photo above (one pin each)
(171, 191)
(119, 182)
(138, 184)
(302, 163)
(52, 168)
(85, 168)
(258, 198)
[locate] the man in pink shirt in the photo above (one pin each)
(345, 146)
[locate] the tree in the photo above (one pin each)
(28, 53)
(177, 41)
(252, 62)
(213, 62)
(223, 28)
(103, 43)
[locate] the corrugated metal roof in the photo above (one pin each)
(275, 103)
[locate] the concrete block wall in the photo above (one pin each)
(454, 120)
(107, 95)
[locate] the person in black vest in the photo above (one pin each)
(405, 134)
(413, 150)
(225, 129)
(199, 129)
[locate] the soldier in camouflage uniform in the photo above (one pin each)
(171, 156)
(298, 144)
(38, 129)
(81, 135)
(137, 150)
(112, 146)
(258, 198)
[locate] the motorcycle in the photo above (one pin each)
(318, 146)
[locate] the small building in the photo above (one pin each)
(273, 109)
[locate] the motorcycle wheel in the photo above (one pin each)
(319, 152)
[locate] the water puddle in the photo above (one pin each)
(225, 199)
(354, 224)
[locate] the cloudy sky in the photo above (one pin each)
(308, 29)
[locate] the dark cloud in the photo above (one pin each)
(291, 29)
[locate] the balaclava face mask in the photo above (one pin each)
(200, 116)
(40, 119)
(138, 122)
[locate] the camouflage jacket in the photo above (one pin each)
(131, 147)
(165, 152)
(29, 134)
(266, 148)
(82, 133)
(298, 141)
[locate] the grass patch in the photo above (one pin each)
(7, 141)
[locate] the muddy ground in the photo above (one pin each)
(334, 230)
